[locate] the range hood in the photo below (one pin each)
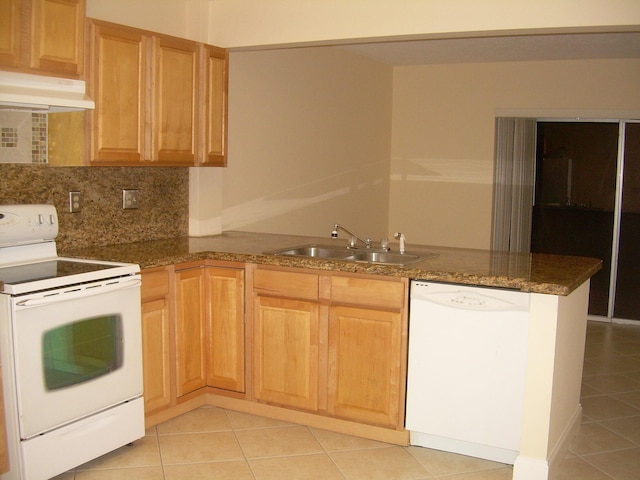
(20, 91)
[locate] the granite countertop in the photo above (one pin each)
(539, 273)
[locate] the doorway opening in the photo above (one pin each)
(587, 203)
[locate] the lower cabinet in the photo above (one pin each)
(192, 332)
(286, 352)
(156, 339)
(364, 366)
(209, 328)
(331, 343)
(190, 296)
(225, 338)
(4, 448)
(323, 342)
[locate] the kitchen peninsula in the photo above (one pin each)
(319, 294)
(536, 273)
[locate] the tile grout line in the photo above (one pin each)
(244, 455)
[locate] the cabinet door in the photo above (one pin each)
(57, 36)
(364, 365)
(176, 82)
(214, 122)
(286, 337)
(10, 29)
(118, 86)
(4, 448)
(156, 359)
(225, 314)
(190, 330)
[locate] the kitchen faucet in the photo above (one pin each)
(354, 238)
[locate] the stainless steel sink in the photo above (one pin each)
(342, 253)
(312, 250)
(388, 258)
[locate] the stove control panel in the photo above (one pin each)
(21, 224)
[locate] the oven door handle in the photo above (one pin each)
(82, 291)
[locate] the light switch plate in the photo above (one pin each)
(130, 199)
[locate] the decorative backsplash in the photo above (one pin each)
(24, 137)
(163, 210)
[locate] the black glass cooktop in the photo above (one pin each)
(46, 270)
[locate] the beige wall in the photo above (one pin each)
(309, 142)
(443, 134)
(165, 16)
(249, 23)
(246, 23)
(296, 162)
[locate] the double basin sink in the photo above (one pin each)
(368, 255)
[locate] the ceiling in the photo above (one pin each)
(503, 48)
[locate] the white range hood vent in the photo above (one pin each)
(20, 91)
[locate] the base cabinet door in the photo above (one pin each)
(225, 328)
(286, 334)
(364, 368)
(157, 359)
(191, 373)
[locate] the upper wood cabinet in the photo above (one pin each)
(160, 100)
(117, 81)
(42, 36)
(214, 106)
(176, 98)
(10, 33)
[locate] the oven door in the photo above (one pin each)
(77, 351)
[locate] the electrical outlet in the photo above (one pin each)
(75, 202)
(130, 199)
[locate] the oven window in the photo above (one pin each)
(77, 352)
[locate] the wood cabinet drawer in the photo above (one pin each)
(155, 284)
(369, 292)
(286, 284)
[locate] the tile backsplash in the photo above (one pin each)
(23, 137)
(163, 210)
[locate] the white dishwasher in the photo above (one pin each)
(467, 360)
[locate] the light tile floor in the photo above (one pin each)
(213, 443)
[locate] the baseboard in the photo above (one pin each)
(495, 454)
(562, 446)
(371, 432)
(527, 468)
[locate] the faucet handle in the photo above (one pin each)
(402, 239)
